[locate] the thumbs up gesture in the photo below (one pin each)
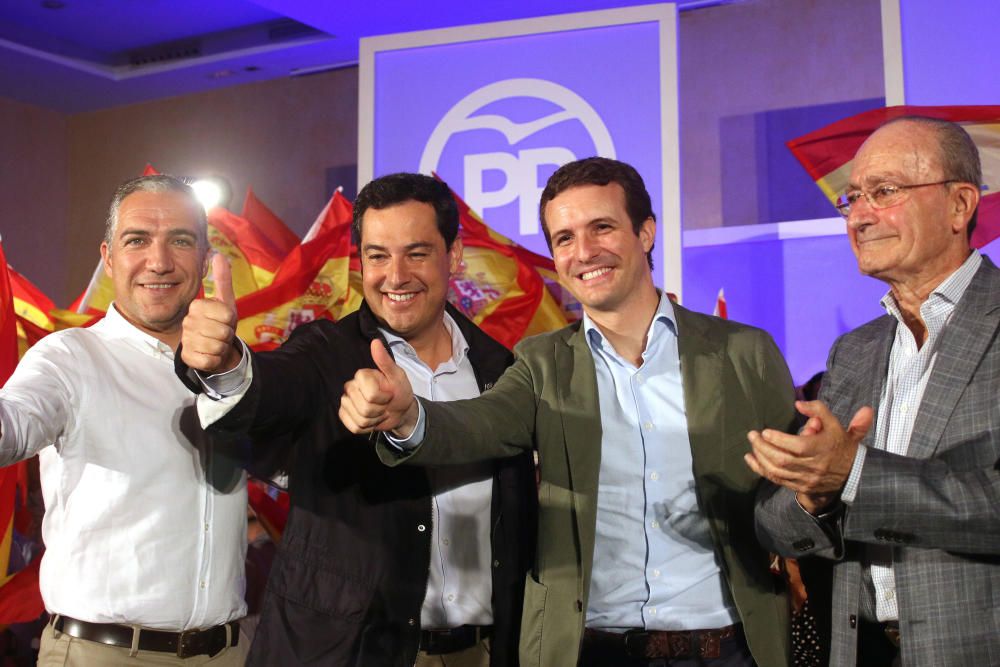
(209, 328)
(379, 399)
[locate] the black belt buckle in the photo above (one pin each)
(184, 643)
(636, 643)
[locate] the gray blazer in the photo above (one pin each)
(938, 508)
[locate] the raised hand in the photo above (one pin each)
(379, 399)
(816, 463)
(209, 328)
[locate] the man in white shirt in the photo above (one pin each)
(376, 566)
(145, 521)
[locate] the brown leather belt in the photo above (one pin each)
(438, 642)
(664, 643)
(182, 644)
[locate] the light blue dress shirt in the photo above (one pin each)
(654, 562)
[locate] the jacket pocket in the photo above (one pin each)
(531, 622)
(320, 587)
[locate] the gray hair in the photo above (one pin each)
(958, 152)
(155, 183)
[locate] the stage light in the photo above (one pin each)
(211, 191)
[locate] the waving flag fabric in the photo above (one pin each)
(20, 599)
(282, 239)
(312, 282)
(827, 153)
(500, 286)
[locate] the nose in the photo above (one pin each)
(160, 259)
(861, 214)
(397, 274)
(586, 248)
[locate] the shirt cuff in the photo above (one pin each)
(413, 440)
(213, 408)
(854, 479)
(232, 382)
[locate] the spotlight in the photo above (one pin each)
(212, 191)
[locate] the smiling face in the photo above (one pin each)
(155, 261)
(405, 269)
(921, 240)
(599, 257)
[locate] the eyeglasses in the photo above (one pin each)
(881, 196)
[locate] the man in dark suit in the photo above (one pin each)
(377, 566)
(905, 498)
(646, 552)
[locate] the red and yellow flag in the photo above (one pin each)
(272, 227)
(501, 286)
(19, 600)
(312, 282)
(827, 154)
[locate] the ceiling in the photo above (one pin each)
(74, 56)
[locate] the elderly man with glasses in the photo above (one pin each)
(896, 474)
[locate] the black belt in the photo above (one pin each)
(437, 642)
(652, 644)
(182, 644)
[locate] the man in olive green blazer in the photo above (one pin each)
(733, 380)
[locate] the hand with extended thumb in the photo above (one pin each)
(379, 399)
(209, 330)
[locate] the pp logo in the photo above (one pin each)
(520, 168)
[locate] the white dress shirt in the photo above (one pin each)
(910, 367)
(145, 521)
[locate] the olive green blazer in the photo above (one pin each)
(734, 380)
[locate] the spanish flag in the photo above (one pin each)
(20, 599)
(827, 154)
(500, 285)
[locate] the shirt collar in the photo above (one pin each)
(459, 346)
(949, 292)
(114, 324)
(664, 313)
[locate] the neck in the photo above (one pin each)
(911, 294)
(433, 348)
(626, 327)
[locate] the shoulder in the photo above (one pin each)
(734, 334)
(542, 344)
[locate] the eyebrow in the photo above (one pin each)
(412, 246)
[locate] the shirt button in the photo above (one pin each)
(206, 527)
(202, 585)
(652, 611)
(648, 426)
(902, 408)
(654, 524)
(421, 528)
(654, 475)
(451, 598)
(889, 595)
(445, 541)
(411, 621)
(656, 574)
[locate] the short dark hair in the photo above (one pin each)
(958, 152)
(601, 171)
(393, 189)
(155, 183)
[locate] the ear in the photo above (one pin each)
(106, 258)
(964, 200)
(455, 255)
(647, 234)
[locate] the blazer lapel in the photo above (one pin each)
(961, 347)
(581, 421)
(701, 355)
